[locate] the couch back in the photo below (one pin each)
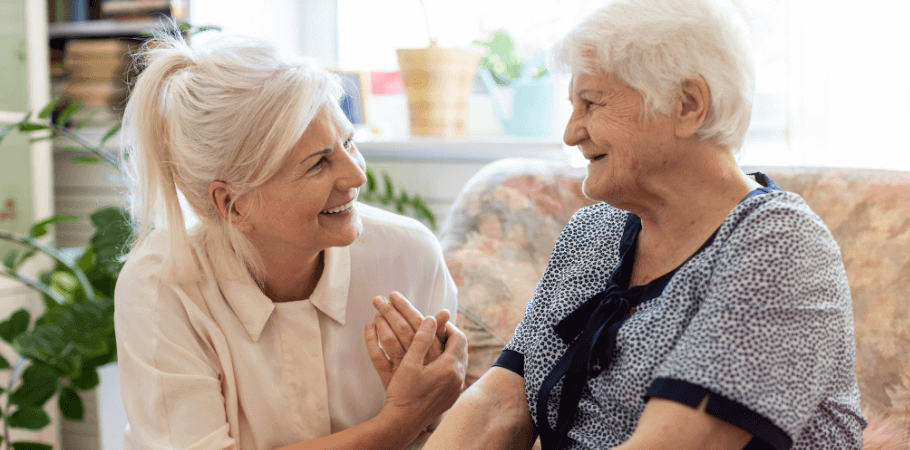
(499, 233)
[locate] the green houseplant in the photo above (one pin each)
(502, 58)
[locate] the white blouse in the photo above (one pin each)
(218, 365)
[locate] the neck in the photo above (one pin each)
(291, 278)
(681, 207)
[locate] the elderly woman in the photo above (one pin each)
(697, 307)
(247, 331)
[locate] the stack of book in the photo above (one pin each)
(134, 9)
(96, 71)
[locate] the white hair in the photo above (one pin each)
(655, 45)
(232, 111)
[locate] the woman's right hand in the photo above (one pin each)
(419, 393)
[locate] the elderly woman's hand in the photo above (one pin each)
(419, 393)
(395, 325)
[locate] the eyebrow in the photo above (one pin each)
(324, 151)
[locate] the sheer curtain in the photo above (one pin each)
(833, 86)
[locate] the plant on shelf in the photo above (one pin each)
(502, 58)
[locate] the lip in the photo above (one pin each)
(595, 158)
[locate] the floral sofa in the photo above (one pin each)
(498, 236)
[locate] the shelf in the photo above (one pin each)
(102, 28)
(462, 150)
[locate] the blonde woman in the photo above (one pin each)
(256, 329)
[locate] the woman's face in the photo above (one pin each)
(624, 151)
(309, 204)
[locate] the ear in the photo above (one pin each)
(695, 101)
(220, 196)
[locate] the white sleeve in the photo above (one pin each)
(169, 374)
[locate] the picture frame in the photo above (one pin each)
(355, 101)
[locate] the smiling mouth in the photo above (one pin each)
(339, 209)
(598, 158)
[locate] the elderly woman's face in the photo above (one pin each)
(622, 148)
(309, 204)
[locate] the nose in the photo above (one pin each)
(576, 131)
(353, 173)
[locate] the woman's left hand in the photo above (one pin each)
(394, 328)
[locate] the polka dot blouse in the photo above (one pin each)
(759, 321)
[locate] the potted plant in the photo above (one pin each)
(532, 92)
(437, 82)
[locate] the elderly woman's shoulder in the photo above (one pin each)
(601, 216)
(785, 215)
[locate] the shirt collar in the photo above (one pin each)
(330, 296)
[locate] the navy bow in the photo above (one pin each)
(591, 333)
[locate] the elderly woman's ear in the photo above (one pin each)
(220, 197)
(693, 108)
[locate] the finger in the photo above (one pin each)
(377, 357)
(407, 310)
(387, 338)
(456, 342)
(402, 328)
(442, 317)
(423, 340)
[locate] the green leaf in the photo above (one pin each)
(49, 109)
(9, 260)
(30, 418)
(29, 126)
(87, 380)
(110, 133)
(371, 181)
(24, 445)
(39, 384)
(86, 159)
(112, 236)
(70, 404)
(4, 364)
(40, 228)
(15, 325)
(64, 115)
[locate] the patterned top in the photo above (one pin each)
(759, 320)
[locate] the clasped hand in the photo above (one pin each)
(421, 360)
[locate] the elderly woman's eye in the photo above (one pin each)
(348, 143)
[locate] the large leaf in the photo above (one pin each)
(112, 237)
(87, 381)
(29, 417)
(40, 228)
(15, 325)
(70, 404)
(39, 384)
(24, 445)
